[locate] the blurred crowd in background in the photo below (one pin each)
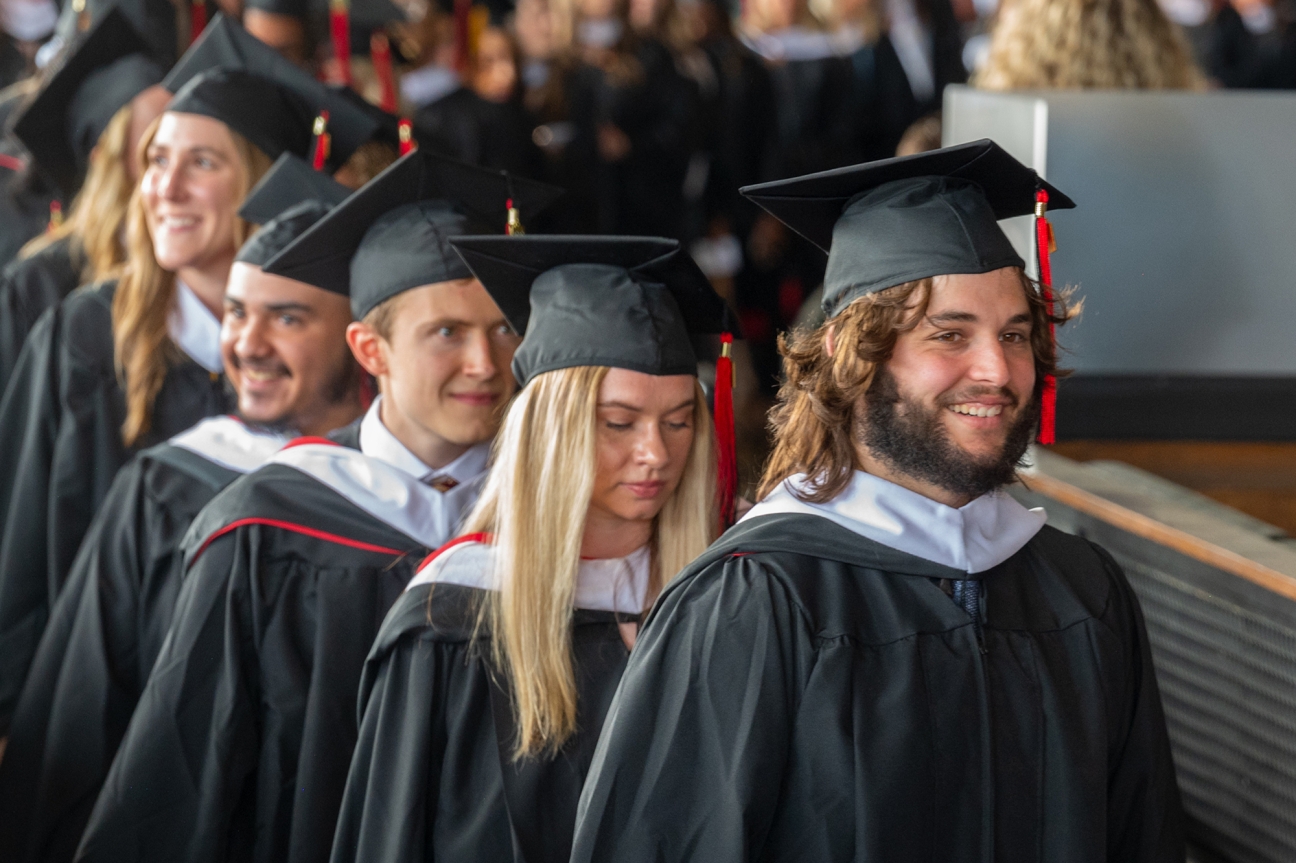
(652, 113)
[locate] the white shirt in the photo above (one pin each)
(195, 330)
(973, 538)
(378, 442)
(618, 584)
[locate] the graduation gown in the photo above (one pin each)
(804, 692)
(239, 747)
(28, 287)
(24, 205)
(105, 632)
(433, 776)
(60, 448)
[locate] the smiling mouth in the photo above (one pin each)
(975, 410)
(263, 376)
(475, 398)
(177, 223)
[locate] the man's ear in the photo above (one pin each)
(830, 339)
(367, 348)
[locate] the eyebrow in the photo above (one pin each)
(289, 307)
(639, 409)
(969, 318)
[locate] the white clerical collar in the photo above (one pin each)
(377, 442)
(229, 443)
(973, 538)
(195, 330)
(618, 584)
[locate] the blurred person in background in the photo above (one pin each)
(85, 123)
(1080, 44)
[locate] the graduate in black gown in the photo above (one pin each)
(484, 694)
(285, 355)
(240, 744)
(889, 659)
(120, 366)
(83, 128)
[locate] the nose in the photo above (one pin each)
(250, 342)
(479, 361)
(650, 447)
(990, 363)
(170, 184)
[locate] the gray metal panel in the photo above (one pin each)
(1183, 242)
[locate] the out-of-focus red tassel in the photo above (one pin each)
(197, 19)
(513, 222)
(56, 216)
(320, 150)
(380, 53)
(340, 29)
(1043, 243)
(462, 12)
(726, 445)
(405, 131)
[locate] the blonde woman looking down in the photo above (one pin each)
(486, 689)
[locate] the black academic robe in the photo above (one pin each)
(24, 202)
(29, 286)
(803, 693)
(60, 448)
(240, 744)
(103, 636)
(433, 776)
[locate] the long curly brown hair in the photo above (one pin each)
(814, 419)
(1087, 44)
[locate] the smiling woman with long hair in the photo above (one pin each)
(126, 363)
(486, 688)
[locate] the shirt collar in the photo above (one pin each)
(195, 330)
(972, 538)
(377, 442)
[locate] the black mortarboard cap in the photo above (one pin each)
(276, 234)
(232, 76)
(627, 302)
(303, 9)
(388, 124)
(103, 71)
(154, 20)
(289, 182)
(392, 234)
(897, 220)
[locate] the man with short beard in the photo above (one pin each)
(286, 361)
(889, 659)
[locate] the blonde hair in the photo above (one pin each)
(535, 504)
(1087, 44)
(142, 344)
(95, 218)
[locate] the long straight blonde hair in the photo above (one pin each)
(142, 344)
(95, 218)
(534, 503)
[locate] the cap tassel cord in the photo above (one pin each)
(405, 131)
(513, 227)
(1043, 245)
(462, 12)
(380, 52)
(340, 30)
(320, 151)
(55, 217)
(197, 19)
(726, 444)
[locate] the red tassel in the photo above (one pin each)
(340, 29)
(320, 150)
(1043, 238)
(197, 19)
(727, 454)
(405, 131)
(380, 52)
(56, 216)
(462, 10)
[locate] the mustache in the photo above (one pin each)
(275, 366)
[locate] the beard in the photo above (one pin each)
(912, 439)
(341, 385)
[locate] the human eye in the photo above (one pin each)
(1015, 338)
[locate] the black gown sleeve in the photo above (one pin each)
(28, 287)
(1144, 811)
(689, 763)
(407, 699)
(31, 415)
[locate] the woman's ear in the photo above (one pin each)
(830, 339)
